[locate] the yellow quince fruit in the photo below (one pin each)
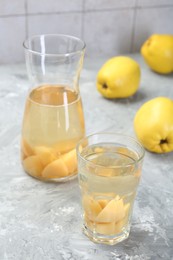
(157, 52)
(153, 124)
(119, 77)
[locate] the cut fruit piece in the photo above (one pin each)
(91, 207)
(101, 228)
(120, 225)
(123, 222)
(26, 148)
(33, 165)
(105, 228)
(103, 203)
(98, 150)
(70, 160)
(80, 148)
(103, 171)
(113, 212)
(56, 169)
(138, 173)
(45, 154)
(127, 208)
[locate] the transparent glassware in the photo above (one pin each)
(53, 121)
(109, 171)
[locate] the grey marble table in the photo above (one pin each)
(42, 221)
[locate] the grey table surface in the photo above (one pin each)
(42, 221)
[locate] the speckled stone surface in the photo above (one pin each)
(42, 221)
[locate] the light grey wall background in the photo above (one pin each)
(109, 27)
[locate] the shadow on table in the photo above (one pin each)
(163, 75)
(139, 96)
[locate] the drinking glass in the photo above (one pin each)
(53, 121)
(109, 170)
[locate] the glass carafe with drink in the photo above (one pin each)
(53, 120)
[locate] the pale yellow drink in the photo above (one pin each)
(108, 176)
(53, 124)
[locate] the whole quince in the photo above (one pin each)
(153, 125)
(119, 77)
(157, 52)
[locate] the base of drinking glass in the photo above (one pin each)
(106, 239)
(63, 179)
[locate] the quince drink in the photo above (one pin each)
(53, 124)
(108, 179)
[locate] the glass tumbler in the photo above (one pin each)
(53, 121)
(109, 170)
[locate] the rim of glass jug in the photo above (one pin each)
(54, 54)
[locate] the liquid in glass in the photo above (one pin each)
(52, 126)
(109, 175)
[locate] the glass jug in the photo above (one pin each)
(53, 121)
